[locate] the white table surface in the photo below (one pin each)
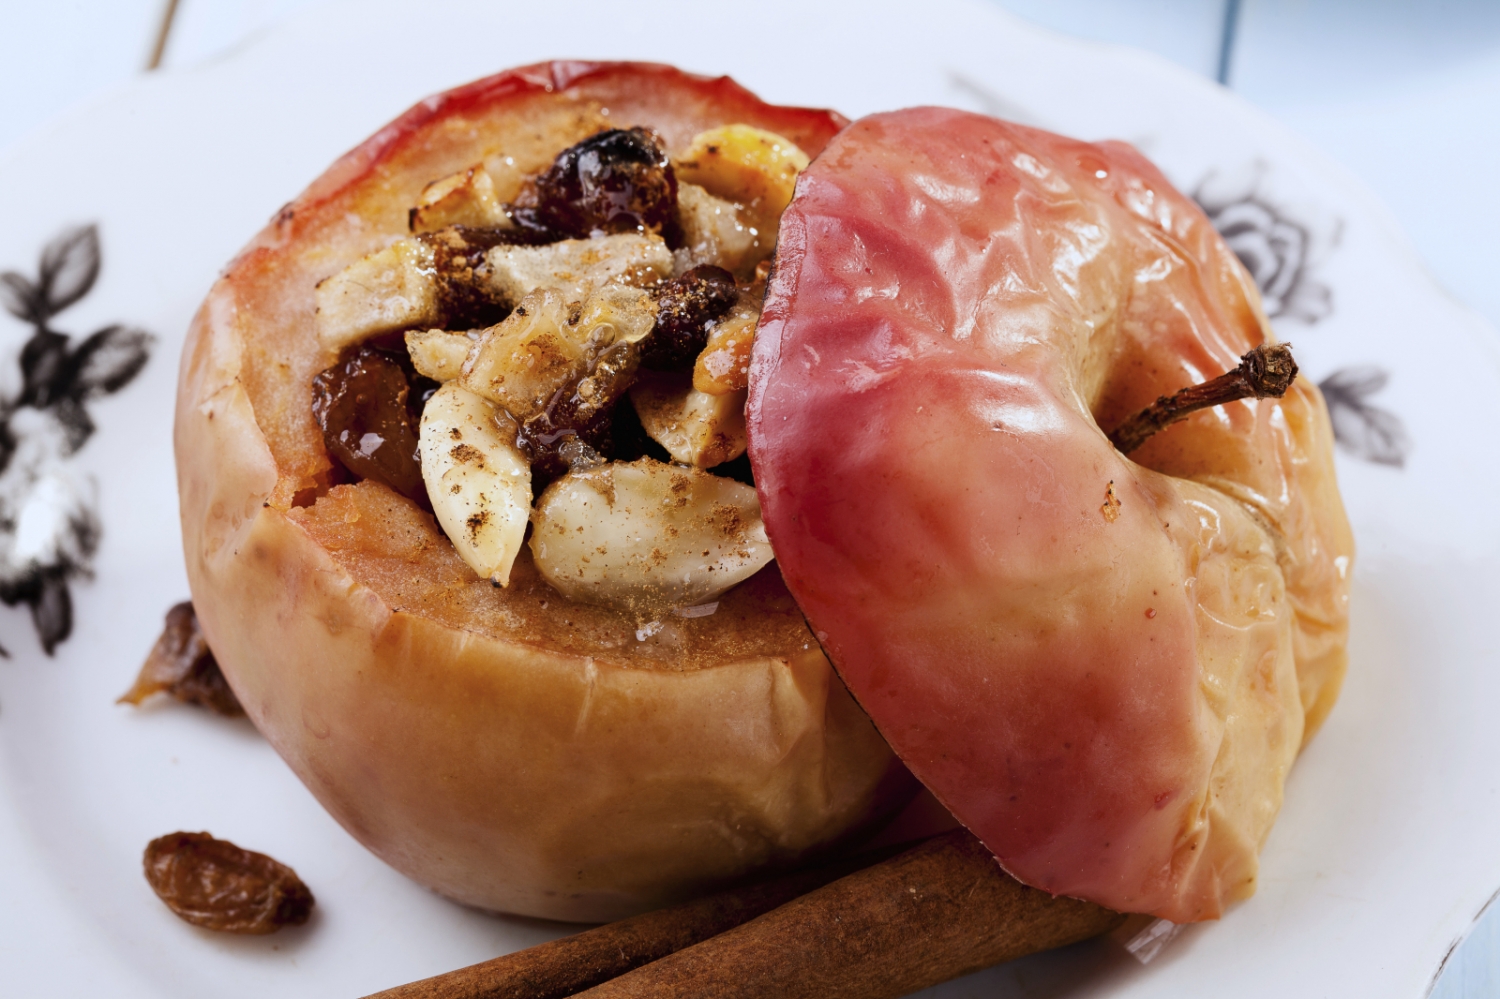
(1406, 93)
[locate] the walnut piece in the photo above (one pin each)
(696, 428)
(464, 198)
(724, 364)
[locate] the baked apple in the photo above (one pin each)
(1103, 666)
(588, 725)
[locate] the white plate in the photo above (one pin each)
(1385, 851)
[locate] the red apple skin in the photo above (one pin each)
(1102, 665)
(501, 746)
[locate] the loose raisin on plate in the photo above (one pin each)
(214, 884)
(574, 428)
(616, 181)
(182, 664)
(369, 419)
(687, 305)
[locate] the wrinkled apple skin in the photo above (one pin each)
(504, 747)
(1104, 666)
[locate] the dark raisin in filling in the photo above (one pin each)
(369, 408)
(686, 307)
(575, 428)
(616, 181)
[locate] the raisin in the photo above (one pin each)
(539, 224)
(615, 181)
(182, 664)
(369, 419)
(687, 306)
(580, 413)
(214, 884)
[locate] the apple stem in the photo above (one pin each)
(1266, 370)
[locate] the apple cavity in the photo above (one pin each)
(1103, 666)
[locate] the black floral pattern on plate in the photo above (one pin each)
(49, 520)
(1278, 251)
(1363, 429)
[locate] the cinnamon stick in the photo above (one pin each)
(937, 911)
(567, 966)
(1266, 370)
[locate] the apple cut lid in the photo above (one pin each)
(1103, 666)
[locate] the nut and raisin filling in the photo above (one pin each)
(570, 368)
